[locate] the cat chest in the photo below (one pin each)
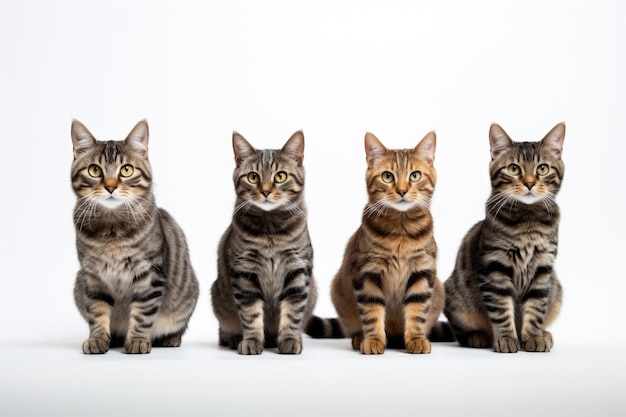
(524, 260)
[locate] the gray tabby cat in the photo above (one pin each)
(503, 291)
(265, 292)
(135, 285)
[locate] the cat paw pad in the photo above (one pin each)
(539, 344)
(372, 347)
(290, 346)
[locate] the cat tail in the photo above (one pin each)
(441, 332)
(319, 328)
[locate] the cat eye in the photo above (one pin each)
(280, 177)
(94, 171)
(514, 169)
(387, 177)
(543, 169)
(253, 178)
(415, 176)
(127, 170)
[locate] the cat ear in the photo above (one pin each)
(241, 147)
(294, 147)
(426, 148)
(554, 140)
(498, 140)
(82, 139)
(374, 149)
(138, 137)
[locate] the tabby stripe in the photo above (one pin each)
(247, 298)
(500, 320)
(417, 298)
(100, 296)
(295, 294)
(291, 275)
(489, 287)
(496, 266)
(150, 312)
(143, 298)
(418, 276)
(373, 277)
(370, 299)
(542, 270)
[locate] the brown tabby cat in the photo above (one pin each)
(265, 292)
(386, 292)
(503, 291)
(135, 285)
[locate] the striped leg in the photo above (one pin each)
(497, 292)
(293, 303)
(249, 300)
(534, 309)
(96, 306)
(416, 304)
(371, 308)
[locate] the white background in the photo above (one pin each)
(336, 69)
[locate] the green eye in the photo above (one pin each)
(253, 178)
(94, 171)
(387, 177)
(543, 169)
(514, 169)
(127, 170)
(280, 177)
(415, 176)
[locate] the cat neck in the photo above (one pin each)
(413, 223)
(262, 223)
(515, 212)
(114, 223)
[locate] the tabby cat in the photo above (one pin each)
(503, 291)
(265, 291)
(135, 286)
(386, 292)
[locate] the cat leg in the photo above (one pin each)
(96, 306)
(417, 304)
(293, 301)
(229, 339)
(496, 290)
(535, 307)
(249, 301)
(371, 307)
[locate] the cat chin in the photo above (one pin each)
(402, 205)
(267, 205)
(528, 198)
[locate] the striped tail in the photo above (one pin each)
(320, 328)
(441, 332)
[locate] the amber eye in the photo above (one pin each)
(253, 178)
(543, 169)
(415, 176)
(514, 169)
(387, 177)
(280, 177)
(127, 170)
(94, 171)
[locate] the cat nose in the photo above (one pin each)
(266, 192)
(110, 184)
(529, 185)
(401, 192)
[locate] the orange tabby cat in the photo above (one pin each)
(387, 292)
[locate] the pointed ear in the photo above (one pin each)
(554, 140)
(82, 139)
(374, 149)
(138, 137)
(294, 147)
(242, 148)
(498, 140)
(426, 148)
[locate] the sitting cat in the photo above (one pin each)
(135, 285)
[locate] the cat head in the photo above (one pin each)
(269, 178)
(111, 174)
(400, 178)
(528, 172)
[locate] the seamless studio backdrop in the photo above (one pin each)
(335, 69)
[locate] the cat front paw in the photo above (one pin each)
(372, 347)
(506, 345)
(357, 339)
(95, 345)
(137, 346)
(541, 343)
(290, 346)
(250, 347)
(418, 346)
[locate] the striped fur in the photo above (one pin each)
(136, 286)
(386, 292)
(265, 292)
(503, 292)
